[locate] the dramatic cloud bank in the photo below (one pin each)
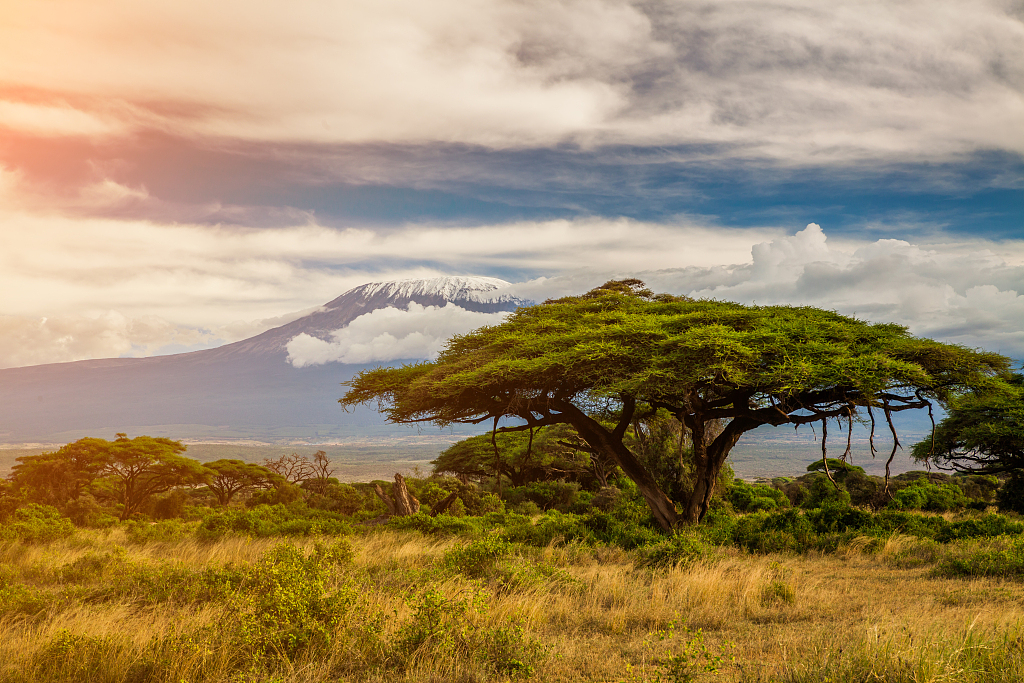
(791, 80)
(960, 293)
(390, 334)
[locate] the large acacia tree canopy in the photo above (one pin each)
(619, 346)
(772, 364)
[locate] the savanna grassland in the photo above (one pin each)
(504, 597)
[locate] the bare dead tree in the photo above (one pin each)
(322, 471)
(294, 468)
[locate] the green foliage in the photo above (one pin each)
(547, 495)
(272, 520)
(34, 523)
(442, 525)
(231, 477)
(983, 431)
(518, 459)
(690, 659)
(1004, 559)
(141, 532)
(285, 603)
(821, 492)
(448, 628)
(923, 495)
(836, 466)
(745, 497)
(678, 549)
(477, 557)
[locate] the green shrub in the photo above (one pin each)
(442, 525)
(167, 530)
(821, 491)
(34, 523)
(745, 497)
(445, 628)
(285, 604)
(477, 558)
(1004, 559)
(547, 495)
(680, 548)
(924, 495)
(273, 520)
(986, 526)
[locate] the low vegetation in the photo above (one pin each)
(553, 579)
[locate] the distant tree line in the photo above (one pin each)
(125, 477)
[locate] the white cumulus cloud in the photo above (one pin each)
(390, 334)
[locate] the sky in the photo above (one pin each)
(177, 175)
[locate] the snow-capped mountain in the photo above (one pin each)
(478, 294)
(243, 389)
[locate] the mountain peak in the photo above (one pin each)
(451, 288)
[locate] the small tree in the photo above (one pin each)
(322, 472)
(231, 477)
(521, 457)
(144, 466)
(60, 477)
(701, 361)
(983, 433)
(294, 468)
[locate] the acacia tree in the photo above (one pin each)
(982, 433)
(231, 477)
(59, 477)
(702, 361)
(520, 457)
(144, 466)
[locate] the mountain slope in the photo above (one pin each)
(245, 389)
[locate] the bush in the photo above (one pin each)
(680, 548)
(547, 495)
(167, 530)
(1005, 562)
(822, 491)
(924, 495)
(34, 523)
(745, 497)
(272, 520)
(442, 525)
(285, 604)
(170, 505)
(478, 557)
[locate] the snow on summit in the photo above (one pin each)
(405, 319)
(453, 288)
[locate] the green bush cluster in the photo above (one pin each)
(1004, 559)
(295, 519)
(34, 523)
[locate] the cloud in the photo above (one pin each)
(27, 341)
(963, 293)
(388, 334)
(792, 81)
(212, 284)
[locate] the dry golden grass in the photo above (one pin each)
(784, 618)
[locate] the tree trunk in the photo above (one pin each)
(444, 504)
(600, 439)
(708, 461)
(401, 502)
